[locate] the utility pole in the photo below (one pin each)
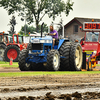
(25, 25)
(24, 18)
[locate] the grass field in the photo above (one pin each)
(6, 64)
(15, 64)
(20, 74)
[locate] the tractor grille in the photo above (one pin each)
(38, 46)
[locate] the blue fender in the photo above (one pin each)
(60, 43)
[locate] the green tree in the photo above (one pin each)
(32, 29)
(35, 10)
(12, 23)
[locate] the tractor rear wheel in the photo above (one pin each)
(65, 52)
(76, 57)
(2, 49)
(23, 66)
(11, 51)
(53, 60)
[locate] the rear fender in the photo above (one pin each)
(3, 43)
(61, 41)
(14, 44)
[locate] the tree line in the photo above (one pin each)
(35, 10)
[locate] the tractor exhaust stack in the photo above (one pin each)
(42, 29)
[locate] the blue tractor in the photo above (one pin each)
(40, 54)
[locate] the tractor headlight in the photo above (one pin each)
(94, 52)
(45, 41)
(41, 51)
(42, 41)
(48, 41)
(30, 51)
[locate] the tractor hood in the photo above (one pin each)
(46, 39)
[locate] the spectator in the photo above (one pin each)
(94, 38)
(82, 41)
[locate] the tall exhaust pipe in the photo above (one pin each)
(42, 29)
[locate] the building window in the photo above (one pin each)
(75, 28)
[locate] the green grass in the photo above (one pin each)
(6, 64)
(2, 62)
(21, 74)
(15, 64)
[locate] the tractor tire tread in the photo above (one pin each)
(50, 55)
(65, 51)
(72, 56)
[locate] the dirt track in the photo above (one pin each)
(46, 86)
(5, 69)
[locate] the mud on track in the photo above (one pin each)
(56, 87)
(5, 69)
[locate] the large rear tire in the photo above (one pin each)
(11, 51)
(53, 60)
(2, 49)
(65, 52)
(23, 66)
(76, 57)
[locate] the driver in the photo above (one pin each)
(54, 34)
(94, 38)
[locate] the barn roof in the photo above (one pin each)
(81, 20)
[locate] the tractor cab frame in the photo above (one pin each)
(15, 39)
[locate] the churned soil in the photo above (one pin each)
(51, 87)
(49, 96)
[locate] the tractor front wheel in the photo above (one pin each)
(53, 60)
(11, 51)
(23, 66)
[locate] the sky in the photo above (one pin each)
(81, 8)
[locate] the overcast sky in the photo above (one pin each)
(81, 8)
